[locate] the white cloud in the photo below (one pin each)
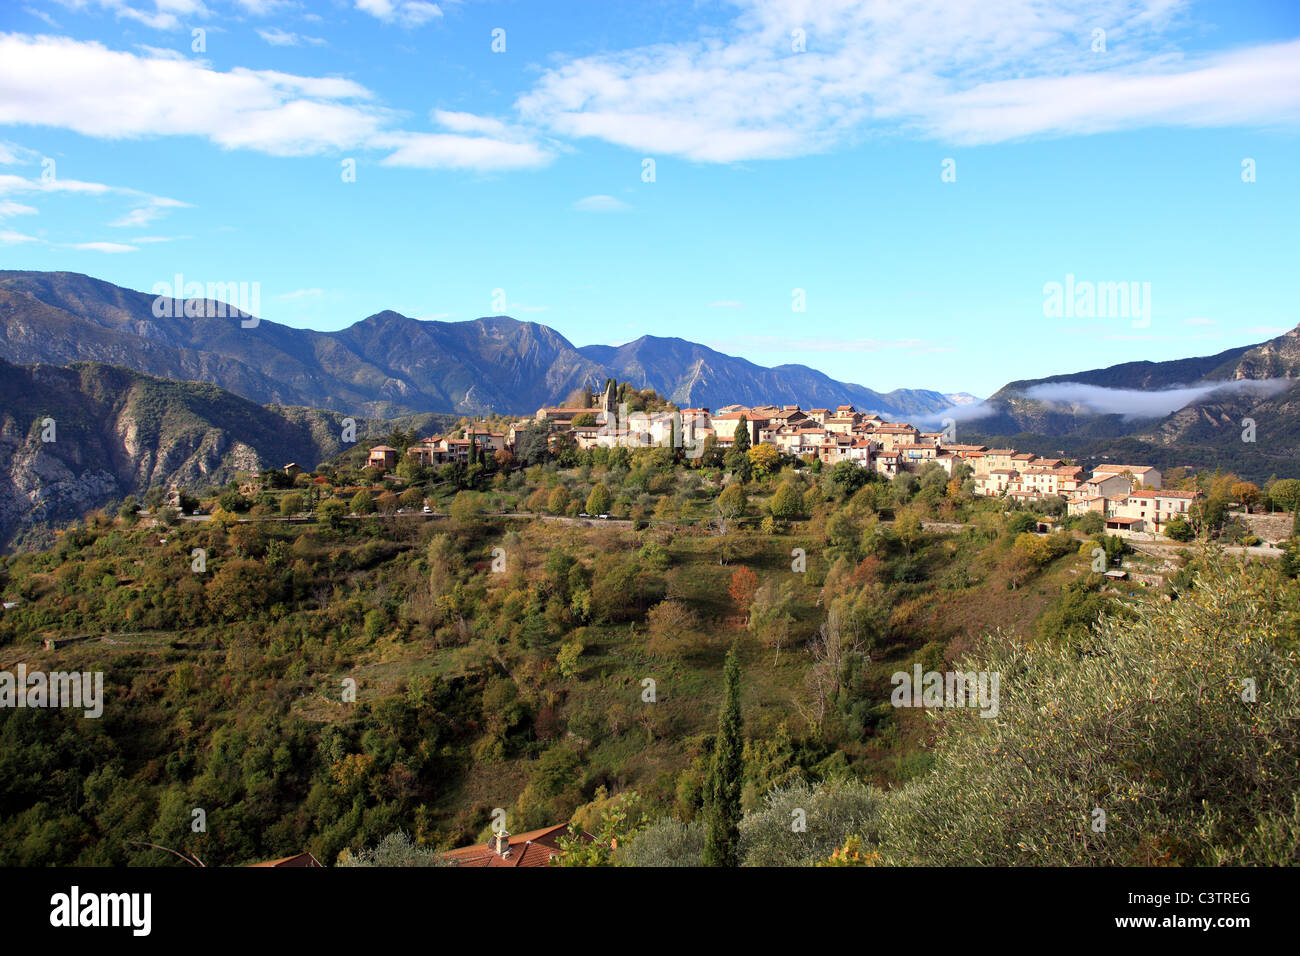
(261, 8)
(9, 237)
(155, 208)
(600, 204)
(148, 207)
(11, 154)
(302, 294)
(474, 142)
(87, 88)
(1139, 403)
(277, 37)
(405, 13)
(1080, 399)
(108, 247)
(726, 304)
(10, 208)
(980, 71)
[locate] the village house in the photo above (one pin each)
(534, 848)
(1153, 509)
(383, 457)
(1144, 476)
(889, 437)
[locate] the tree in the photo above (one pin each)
(741, 435)
(770, 617)
(744, 582)
(1247, 492)
(598, 500)
(908, 528)
(722, 811)
(332, 512)
(1286, 494)
(764, 459)
(787, 502)
(732, 502)
(847, 477)
(290, 505)
(670, 623)
(362, 503)
(466, 506)
(558, 500)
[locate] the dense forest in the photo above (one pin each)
(316, 662)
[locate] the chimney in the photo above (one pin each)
(500, 843)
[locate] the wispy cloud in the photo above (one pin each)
(277, 37)
(112, 248)
(405, 13)
(600, 203)
(788, 78)
(302, 294)
(726, 304)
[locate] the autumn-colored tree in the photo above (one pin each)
(744, 582)
(598, 501)
(765, 459)
(908, 528)
(787, 502)
(670, 622)
(1247, 492)
(732, 502)
(558, 500)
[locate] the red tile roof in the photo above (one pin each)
(302, 859)
(534, 848)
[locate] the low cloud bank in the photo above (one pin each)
(1132, 403)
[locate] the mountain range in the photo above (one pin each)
(141, 400)
(389, 364)
(1237, 409)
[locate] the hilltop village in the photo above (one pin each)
(1130, 498)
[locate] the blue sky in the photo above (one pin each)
(775, 169)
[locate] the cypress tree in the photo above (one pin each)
(723, 786)
(742, 435)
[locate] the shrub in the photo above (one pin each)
(830, 812)
(1142, 718)
(666, 842)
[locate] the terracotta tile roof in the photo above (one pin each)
(301, 859)
(534, 848)
(1118, 469)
